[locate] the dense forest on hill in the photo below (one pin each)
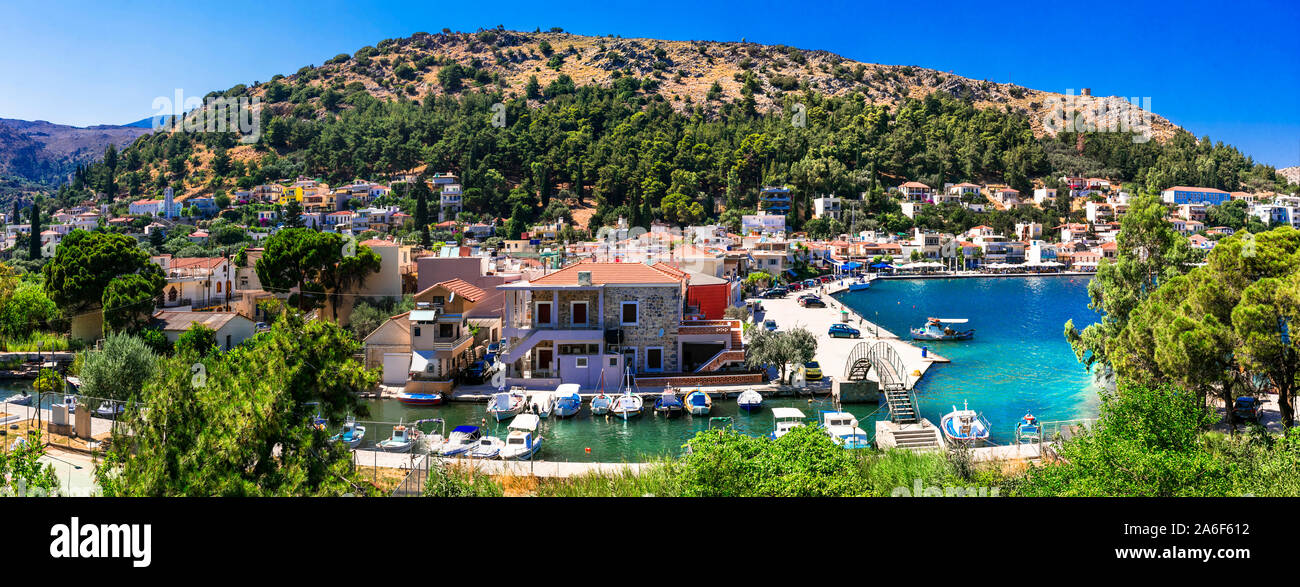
(628, 152)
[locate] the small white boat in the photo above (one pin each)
(541, 403)
(699, 403)
(964, 426)
(750, 400)
(109, 409)
(462, 439)
(401, 440)
(504, 405)
(432, 442)
(71, 402)
(939, 329)
(601, 404)
(628, 405)
(668, 403)
(567, 400)
(523, 442)
(487, 447)
(19, 399)
(785, 420)
(352, 434)
(843, 429)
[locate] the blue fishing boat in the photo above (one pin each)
(566, 400)
(859, 285)
(699, 403)
(352, 434)
(1028, 430)
(938, 329)
(750, 400)
(401, 440)
(668, 403)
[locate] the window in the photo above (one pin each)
(629, 313)
(654, 359)
(543, 314)
(444, 330)
(415, 330)
(580, 362)
(578, 314)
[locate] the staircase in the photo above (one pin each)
(722, 358)
(902, 405)
(917, 439)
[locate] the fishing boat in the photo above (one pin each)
(462, 439)
(352, 434)
(964, 426)
(523, 442)
(567, 400)
(859, 285)
(939, 329)
(601, 404)
(541, 403)
(70, 401)
(487, 447)
(504, 405)
(111, 409)
(784, 420)
(1028, 430)
(430, 442)
(699, 403)
(750, 400)
(19, 399)
(401, 440)
(843, 429)
(668, 403)
(419, 399)
(628, 405)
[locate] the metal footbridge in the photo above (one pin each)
(890, 373)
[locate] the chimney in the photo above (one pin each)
(584, 278)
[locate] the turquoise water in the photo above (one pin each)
(610, 439)
(1018, 361)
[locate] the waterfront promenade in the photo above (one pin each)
(833, 353)
(539, 468)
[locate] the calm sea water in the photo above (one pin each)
(1018, 361)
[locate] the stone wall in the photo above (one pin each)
(659, 310)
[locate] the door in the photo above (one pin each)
(396, 368)
(544, 359)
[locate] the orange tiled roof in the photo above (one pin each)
(613, 273)
(463, 289)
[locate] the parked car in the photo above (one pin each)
(775, 293)
(1248, 408)
(476, 373)
(824, 279)
(796, 286)
(812, 302)
(839, 330)
(811, 371)
(770, 325)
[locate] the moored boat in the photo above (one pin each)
(699, 403)
(431, 442)
(401, 440)
(750, 400)
(668, 403)
(462, 439)
(419, 399)
(1028, 430)
(504, 405)
(601, 404)
(843, 429)
(964, 426)
(352, 434)
(523, 441)
(487, 447)
(784, 420)
(541, 403)
(567, 400)
(628, 405)
(22, 398)
(939, 329)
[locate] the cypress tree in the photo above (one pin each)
(422, 211)
(34, 243)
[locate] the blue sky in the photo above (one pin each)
(1230, 71)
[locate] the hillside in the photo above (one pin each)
(686, 70)
(43, 153)
(1292, 174)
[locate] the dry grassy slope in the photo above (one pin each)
(1292, 174)
(700, 63)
